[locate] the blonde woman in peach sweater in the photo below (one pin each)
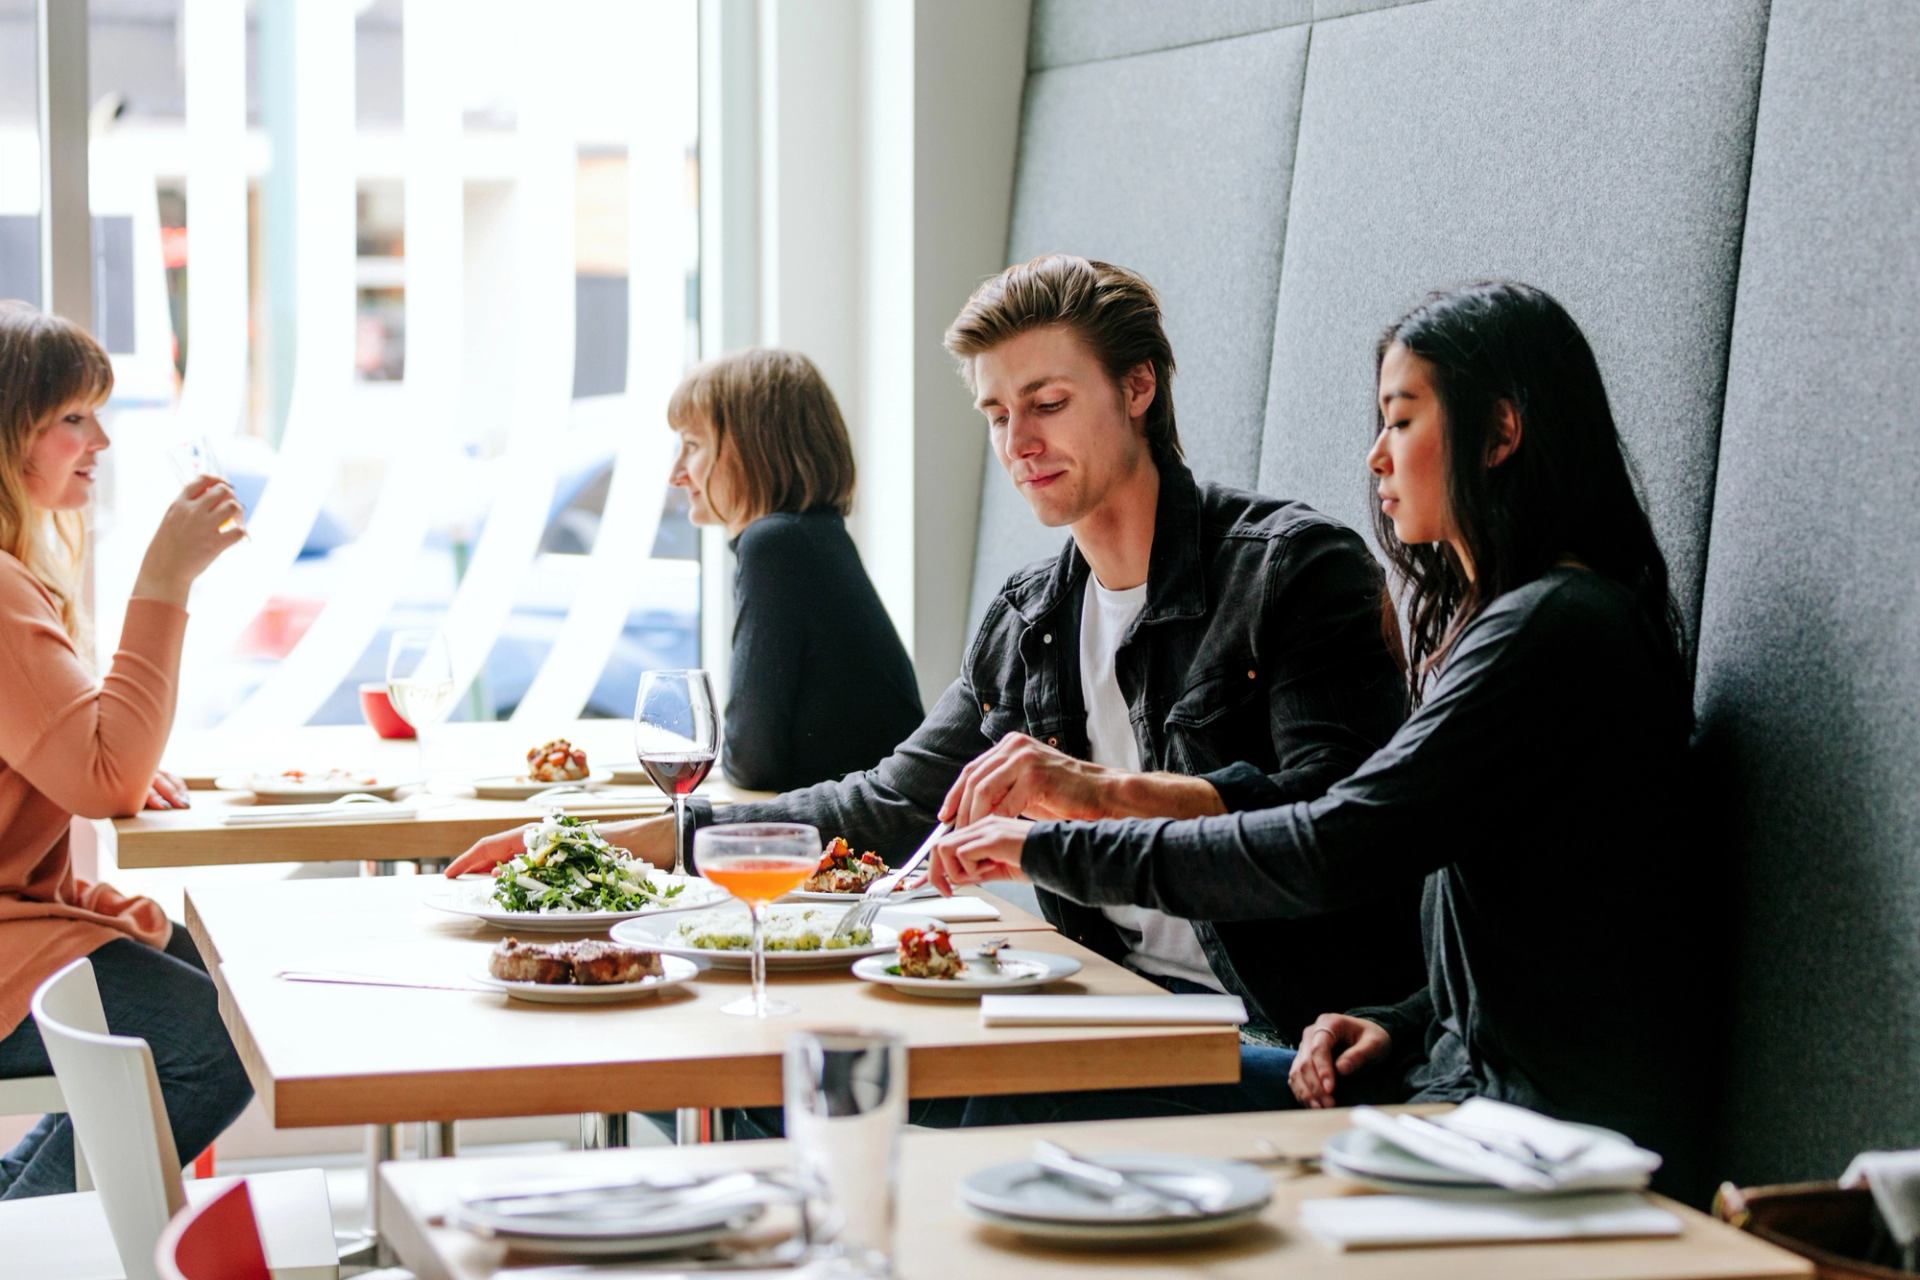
(74, 745)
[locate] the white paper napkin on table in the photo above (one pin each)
(1093, 1011)
(277, 815)
(1514, 1148)
(1384, 1222)
(1894, 1178)
(955, 910)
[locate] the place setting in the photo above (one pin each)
(725, 1220)
(1117, 1198)
(1487, 1171)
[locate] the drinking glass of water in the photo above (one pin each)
(676, 732)
(420, 683)
(846, 1104)
(195, 457)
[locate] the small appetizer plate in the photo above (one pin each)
(1018, 970)
(673, 971)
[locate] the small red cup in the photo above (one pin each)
(376, 708)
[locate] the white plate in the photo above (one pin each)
(629, 773)
(1020, 1192)
(511, 786)
(272, 789)
(473, 896)
(612, 1235)
(1363, 1157)
(814, 895)
(660, 933)
(1019, 970)
(674, 970)
(1124, 1233)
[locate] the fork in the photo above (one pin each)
(862, 915)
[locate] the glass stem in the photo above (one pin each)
(759, 963)
(679, 835)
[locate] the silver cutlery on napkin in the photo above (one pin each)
(648, 1193)
(1058, 1162)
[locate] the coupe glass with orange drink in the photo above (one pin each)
(757, 862)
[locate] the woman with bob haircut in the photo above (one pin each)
(822, 685)
(73, 745)
(1538, 788)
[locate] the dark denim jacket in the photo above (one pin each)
(1259, 662)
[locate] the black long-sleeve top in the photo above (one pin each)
(822, 685)
(1258, 664)
(1539, 792)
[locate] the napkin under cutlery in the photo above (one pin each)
(1383, 1222)
(1514, 1148)
(1094, 1011)
(955, 910)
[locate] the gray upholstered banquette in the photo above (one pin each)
(1723, 192)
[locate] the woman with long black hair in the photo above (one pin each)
(1538, 788)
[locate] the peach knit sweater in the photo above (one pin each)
(72, 745)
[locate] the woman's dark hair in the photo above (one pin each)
(1567, 491)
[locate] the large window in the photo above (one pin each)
(423, 274)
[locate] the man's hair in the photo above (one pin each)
(776, 427)
(1114, 312)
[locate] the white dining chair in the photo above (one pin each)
(41, 1096)
(113, 1099)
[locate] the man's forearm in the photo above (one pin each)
(1163, 795)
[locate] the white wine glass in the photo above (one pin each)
(758, 863)
(420, 683)
(676, 733)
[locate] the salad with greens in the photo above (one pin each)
(569, 866)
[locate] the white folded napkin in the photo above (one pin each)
(956, 910)
(1384, 1222)
(1094, 1011)
(1894, 1178)
(1514, 1148)
(286, 815)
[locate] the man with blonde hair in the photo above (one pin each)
(1193, 649)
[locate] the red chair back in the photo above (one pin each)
(218, 1240)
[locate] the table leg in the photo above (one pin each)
(436, 1139)
(693, 1125)
(599, 1129)
(367, 1248)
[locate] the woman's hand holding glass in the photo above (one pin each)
(196, 527)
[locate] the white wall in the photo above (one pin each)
(887, 131)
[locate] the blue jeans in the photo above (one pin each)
(167, 999)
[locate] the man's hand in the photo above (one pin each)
(167, 792)
(1021, 776)
(987, 850)
(489, 852)
(1334, 1046)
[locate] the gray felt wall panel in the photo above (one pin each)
(1176, 165)
(1809, 671)
(1067, 31)
(1598, 150)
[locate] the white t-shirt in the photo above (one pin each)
(1159, 943)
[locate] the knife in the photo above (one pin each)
(1062, 1163)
